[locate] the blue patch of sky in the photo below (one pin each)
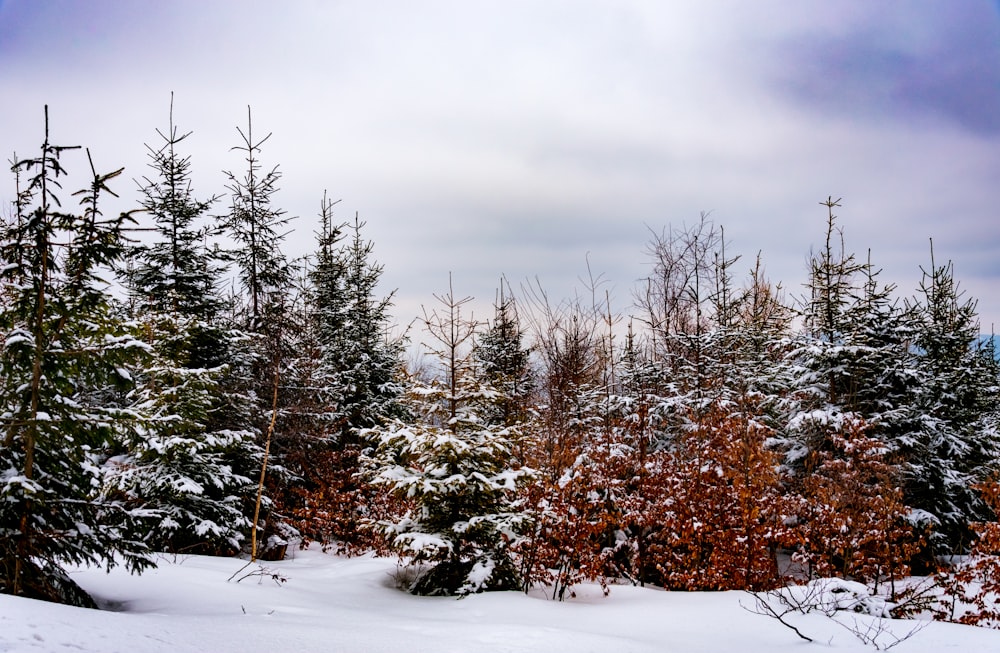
(952, 75)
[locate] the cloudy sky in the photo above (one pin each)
(526, 138)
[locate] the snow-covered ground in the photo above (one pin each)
(331, 604)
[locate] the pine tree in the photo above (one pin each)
(255, 227)
(853, 359)
(191, 460)
(455, 471)
(363, 355)
(956, 444)
(822, 353)
(855, 363)
(185, 465)
(61, 343)
(505, 362)
(345, 376)
(176, 274)
(309, 412)
(762, 373)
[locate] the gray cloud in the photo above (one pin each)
(944, 65)
(521, 138)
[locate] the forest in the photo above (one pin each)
(721, 435)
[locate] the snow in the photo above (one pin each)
(320, 602)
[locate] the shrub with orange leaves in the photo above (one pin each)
(715, 510)
(574, 520)
(330, 503)
(851, 519)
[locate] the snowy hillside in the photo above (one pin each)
(328, 603)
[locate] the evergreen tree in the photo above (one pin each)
(505, 362)
(455, 470)
(854, 364)
(852, 360)
(186, 465)
(309, 411)
(191, 460)
(762, 373)
(61, 342)
(956, 444)
(345, 376)
(824, 349)
(176, 274)
(308, 496)
(362, 355)
(255, 227)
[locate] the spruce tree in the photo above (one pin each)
(824, 350)
(176, 273)
(956, 444)
(309, 413)
(191, 460)
(852, 360)
(255, 225)
(61, 342)
(345, 375)
(505, 361)
(362, 355)
(455, 470)
(263, 310)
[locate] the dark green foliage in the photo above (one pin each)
(187, 466)
(176, 273)
(853, 359)
(465, 513)
(506, 364)
(914, 372)
(956, 444)
(256, 228)
(342, 377)
(455, 470)
(129, 428)
(360, 353)
(352, 360)
(61, 342)
(190, 463)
